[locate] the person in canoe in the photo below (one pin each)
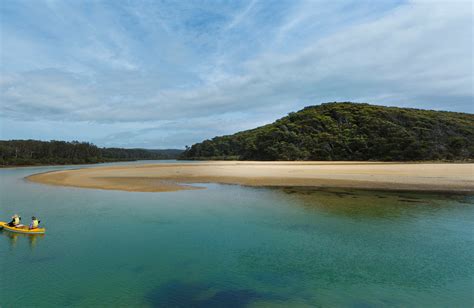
(34, 223)
(15, 221)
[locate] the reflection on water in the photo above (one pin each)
(373, 204)
(236, 246)
(13, 237)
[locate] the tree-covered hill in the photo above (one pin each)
(34, 152)
(349, 131)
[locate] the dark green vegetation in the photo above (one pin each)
(349, 131)
(34, 152)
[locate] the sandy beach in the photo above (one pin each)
(179, 176)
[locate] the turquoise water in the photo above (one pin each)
(233, 246)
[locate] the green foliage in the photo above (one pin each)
(349, 131)
(34, 152)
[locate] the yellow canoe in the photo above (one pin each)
(22, 229)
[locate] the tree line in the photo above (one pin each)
(34, 152)
(349, 131)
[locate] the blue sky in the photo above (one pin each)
(161, 74)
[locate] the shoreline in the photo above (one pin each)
(79, 165)
(243, 161)
(429, 177)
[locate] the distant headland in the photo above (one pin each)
(349, 132)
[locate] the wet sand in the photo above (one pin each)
(441, 177)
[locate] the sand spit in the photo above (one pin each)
(443, 177)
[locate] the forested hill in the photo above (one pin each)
(34, 152)
(349, 131)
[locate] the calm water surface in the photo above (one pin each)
(233, 246)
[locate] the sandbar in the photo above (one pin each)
(442, 177)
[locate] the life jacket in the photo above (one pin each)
(34, 223)
(16, 220)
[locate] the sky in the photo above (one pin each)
(165, 74)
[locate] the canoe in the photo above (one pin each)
(22, 229)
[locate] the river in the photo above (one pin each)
(234, 246)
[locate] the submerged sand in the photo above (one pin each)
(179, 176)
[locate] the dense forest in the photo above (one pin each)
(349, 131)
(34, 152)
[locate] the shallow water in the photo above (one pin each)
(233, 246)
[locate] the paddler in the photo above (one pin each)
(34, 223)
(15, 221)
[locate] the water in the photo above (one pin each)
(233, 246)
